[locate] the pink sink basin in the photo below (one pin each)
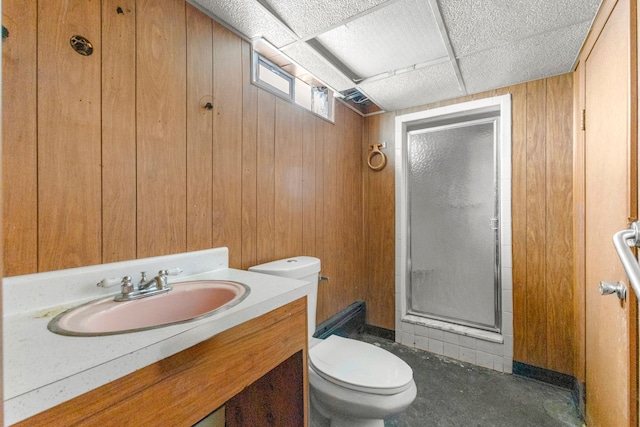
(187, 301)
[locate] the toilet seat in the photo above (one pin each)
(360, 366)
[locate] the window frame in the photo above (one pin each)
(259, 60)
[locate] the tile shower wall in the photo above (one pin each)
(490, 351)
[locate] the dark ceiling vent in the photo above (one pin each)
(359, 101)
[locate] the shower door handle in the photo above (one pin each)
(493, 223)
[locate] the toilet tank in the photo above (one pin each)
(301, 268)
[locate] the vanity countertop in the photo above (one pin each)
(43, 369)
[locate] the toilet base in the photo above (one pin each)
(339, 421)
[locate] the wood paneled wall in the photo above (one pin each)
(380, 239)
(542, 228)
(114, 156)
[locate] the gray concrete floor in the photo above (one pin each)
(453, 393)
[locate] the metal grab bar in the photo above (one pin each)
(623, 241)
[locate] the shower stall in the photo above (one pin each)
(453, 223)
(453, 213)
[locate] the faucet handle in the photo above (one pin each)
(109, 282)
(126, 286)
(171, 271)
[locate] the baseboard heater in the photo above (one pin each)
(349, 321)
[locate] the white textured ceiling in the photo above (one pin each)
(311, 17)
(403, 53)
(386, 39)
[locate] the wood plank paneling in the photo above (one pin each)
(380, 225)
(341, 234)
(319, 207)
(308, 185)
(69, 193)
(266, 222)
(249, 162)
(519, 218)
(319, 194)
(335, 226)
(118, 130)
(329, 291)
(579, 225)
(353, 214)
(288, 180)
(161, 127)
(19, 141)
(559, 223)
(227, 143)
(199, 130)
(536, 314)
(364, 152)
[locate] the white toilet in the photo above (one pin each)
(351, 383)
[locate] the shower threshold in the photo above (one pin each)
(454, 328)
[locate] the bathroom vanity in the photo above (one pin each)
(239, 366)
(175, 375)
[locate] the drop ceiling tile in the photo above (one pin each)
(398, 36)
(308, 17)
(475, 25)
(250, 19)
(417, 87)
(529, 59)
(309, 59)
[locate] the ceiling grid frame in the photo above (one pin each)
(345, 22)
(483, 50)
(435, 9)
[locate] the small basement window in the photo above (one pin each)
(315, 98)
(303, 94)
(320, 101)
(274, 78)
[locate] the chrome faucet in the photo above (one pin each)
(159, 282)
(143, 279)
(146, 288)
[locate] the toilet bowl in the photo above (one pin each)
(351, 383)
(357, 384)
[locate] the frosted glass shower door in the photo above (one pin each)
(453, 223)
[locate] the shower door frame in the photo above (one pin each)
(499, 106)
(492, 118)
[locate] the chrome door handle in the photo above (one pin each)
(623, 241)
(619, 288)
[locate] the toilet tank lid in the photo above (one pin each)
(294, 268)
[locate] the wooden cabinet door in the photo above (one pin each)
(610, 196)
